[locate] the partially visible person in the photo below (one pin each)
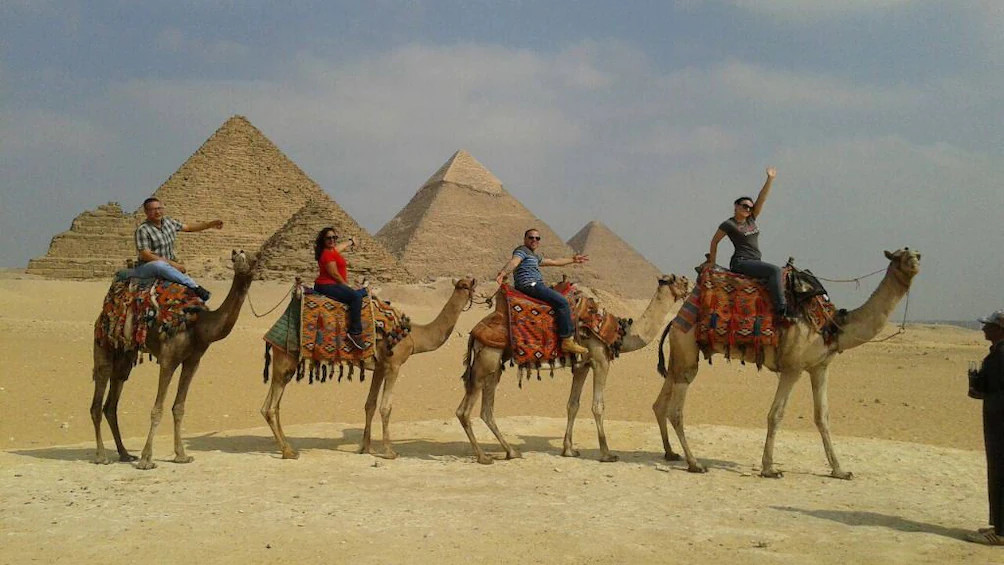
(988, 383)
(525, 266)
(155, 247)
(743, 231)
(333, 279)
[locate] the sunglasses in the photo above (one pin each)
(745, 206)
(533, 237)
(330, 237)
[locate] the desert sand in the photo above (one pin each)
(899, 412)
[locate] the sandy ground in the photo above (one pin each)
(902, 421)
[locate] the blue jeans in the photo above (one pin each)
(761, 270)
(562, 311)
(350, 297)
(162, 270)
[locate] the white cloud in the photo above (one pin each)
(41, 130)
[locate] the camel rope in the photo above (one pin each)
(855, 280)
(281, 300)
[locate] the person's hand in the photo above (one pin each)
(218, 224)
(352, 240)
(580, 259)
(771, 172)
(500, 278)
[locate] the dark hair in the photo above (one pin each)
(741, 198)
(319, 242)
(148, 201)
(527, 232)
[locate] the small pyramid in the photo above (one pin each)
(462, 221)
(614, 265)
(290, 250)
(237, 175)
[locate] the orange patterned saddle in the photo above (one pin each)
(735, 312)
(525, 327)
(133, 308)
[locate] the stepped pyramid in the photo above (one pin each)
(237, 175)
(613, 264)
(463, 221)
(290, 251)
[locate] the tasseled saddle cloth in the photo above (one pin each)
(526, 329)
(134, 307)
(736, 311)
(315, 326)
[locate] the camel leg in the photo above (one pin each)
(785, 383)
(601, 366)
(376, 380)
(283, 367)
(166, 372)
(387, 404)
(579, 375)
(472, 386)
(677, 399)
(488, 413)
(821, 412)
(101, 374)
(111, 410)
(188, 369)
(660, 408)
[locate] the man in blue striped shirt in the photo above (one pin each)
(525, 266)
(155, 247)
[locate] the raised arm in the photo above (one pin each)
(762, 197)
(508, 268)
(341, 247)
(564, 261)
(719, 234)
(201, 226)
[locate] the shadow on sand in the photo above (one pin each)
(864, 518)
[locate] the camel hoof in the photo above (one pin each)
(485, 460)
(568, 452)
(127, 457)
(771, 474)
(697, 468)
(183, 459)
(514, 454)
(609, 458)
(389, 454)
(671, 456)
(845, 475)
(145, 465)
(364, 449)
(290, 454)
(101, 460)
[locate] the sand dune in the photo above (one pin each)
(902, 422)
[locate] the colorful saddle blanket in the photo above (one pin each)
(736, 311)
(316, 326)
(532, 329)
(134, 307)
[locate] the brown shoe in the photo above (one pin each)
(568, 345)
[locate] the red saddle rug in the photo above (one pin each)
(324, 324)
(533, 333)
(133, 308)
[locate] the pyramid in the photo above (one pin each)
(290, 251)
(237, 175)
(462, 221)
(614, 266)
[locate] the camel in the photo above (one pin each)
(799, 349)
(185, 348)
(485, 364)
(385, 366)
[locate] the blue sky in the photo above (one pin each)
(882, 118)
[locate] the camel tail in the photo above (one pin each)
(268, 360)
(661, 367)
(468, 376)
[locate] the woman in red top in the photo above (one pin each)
(332, 279)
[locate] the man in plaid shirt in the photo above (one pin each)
(155, 246)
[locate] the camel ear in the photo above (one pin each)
(918, 256)
(888, 255)
(456, 282)
(233, 254)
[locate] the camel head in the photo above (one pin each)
(677, 286)
(467, 283)
(904, 264)
(243, 265)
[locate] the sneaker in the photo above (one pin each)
(354, 339)
(201, 293)
(568, 345)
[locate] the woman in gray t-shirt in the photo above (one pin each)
(744, 233)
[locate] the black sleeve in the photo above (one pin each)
(992, 371)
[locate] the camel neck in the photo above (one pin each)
(865, 322)
(431, 336)
(217, 324)
(646, 327)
